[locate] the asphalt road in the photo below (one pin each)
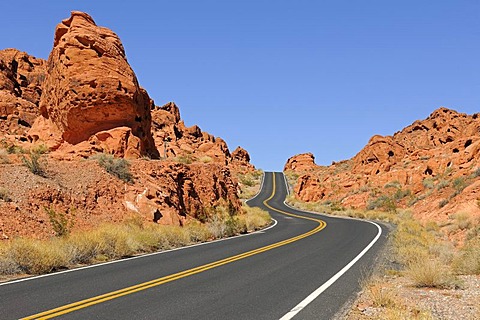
(258, 276)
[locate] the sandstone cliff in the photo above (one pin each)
(431, 166)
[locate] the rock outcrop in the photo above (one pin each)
(89, 90)
(21, 79)
(86, 100)
(190, 144)
(431, 166)
(301, 162)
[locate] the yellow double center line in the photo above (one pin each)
(156, 282)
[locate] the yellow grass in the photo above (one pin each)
(114, 241)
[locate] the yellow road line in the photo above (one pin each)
(156, 282)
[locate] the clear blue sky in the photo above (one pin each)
(285, 77)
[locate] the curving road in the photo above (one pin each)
(306, 266)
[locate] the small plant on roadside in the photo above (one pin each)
(35, 164)
(431, 273)
(61, 223)
(120, 168)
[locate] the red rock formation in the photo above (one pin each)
(174, 139)
(301, 163)
(431, 166)
(90, 102)
(21, 79)
(90, 88)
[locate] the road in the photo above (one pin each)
(258, 276)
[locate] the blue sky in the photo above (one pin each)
(285, 77)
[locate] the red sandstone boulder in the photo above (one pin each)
(301, 162)
(90, 88)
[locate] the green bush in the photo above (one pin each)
(383, 202)
(118, 167)
(459, 184)
(60, 221)
(35, 164)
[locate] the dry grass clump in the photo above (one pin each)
(430, 273)
(379, 295)
(205, 159)
(36, 256)
(468, 260)
(114, 241)
(254, 218)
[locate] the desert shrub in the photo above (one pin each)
(247, 180)
(61, 222)
(35, 164)
(428, 183)
(382, 202)
(443, 184)
(380, 296)
(462, 220)
(459, 184)
(443, 203)
(400, 194)
(468, 260)
(117, 167)
(430, 273)
(185, 159)
(40, 149)
(392, 184)
(5, 195)
(205, 159)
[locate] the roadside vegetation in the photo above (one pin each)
(422, 254)
(250, 184)
(117, 167)
(69, 249)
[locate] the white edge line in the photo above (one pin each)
(299, 307)
(286, 184)
(275, 222)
